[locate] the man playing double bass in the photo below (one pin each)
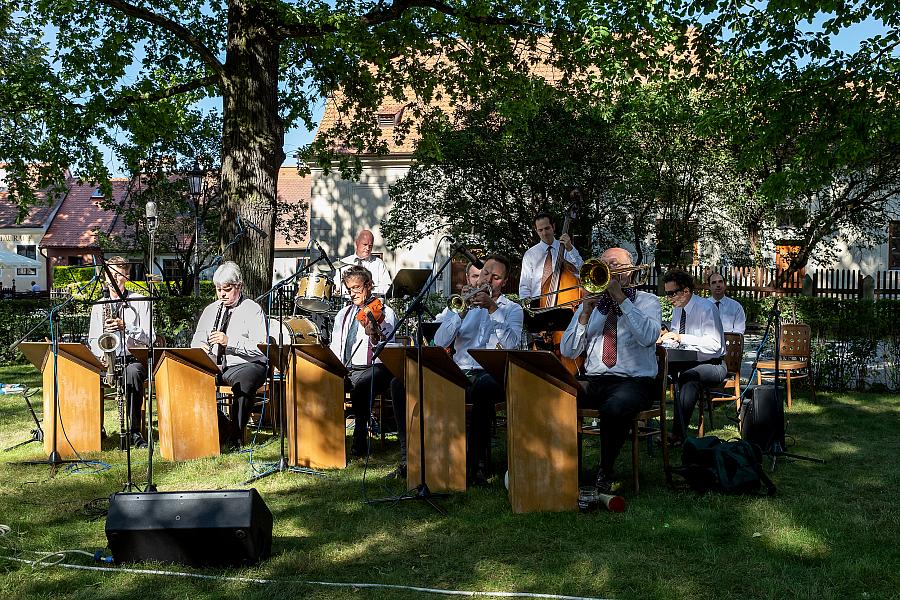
(540, 261)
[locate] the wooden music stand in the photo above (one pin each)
(80, 409)
(542, 425)
(186, 403)
(314, 396)
(445, 416)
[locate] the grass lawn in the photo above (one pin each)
(831, 532)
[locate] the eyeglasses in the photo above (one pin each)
(357, 288)
(673, 293)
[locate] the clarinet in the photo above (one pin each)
(217, 324)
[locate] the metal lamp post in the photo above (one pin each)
(196, 181)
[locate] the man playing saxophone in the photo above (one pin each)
(130, 321)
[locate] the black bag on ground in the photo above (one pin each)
(709, 464)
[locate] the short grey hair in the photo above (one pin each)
(228, 272)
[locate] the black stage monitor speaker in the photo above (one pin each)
(762, 418)
(221, 528)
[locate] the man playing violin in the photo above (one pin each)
(492, 320)
(358, 327)
(618, 330)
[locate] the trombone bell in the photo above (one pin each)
(595, 275)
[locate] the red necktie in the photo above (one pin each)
(610, 333)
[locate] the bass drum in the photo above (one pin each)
(303, 331)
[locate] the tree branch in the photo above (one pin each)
(181, 32)
(394, 11)
(119, 105)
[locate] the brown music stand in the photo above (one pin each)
(444, 418)
(76, 412)
(186, 403)
(542, 426)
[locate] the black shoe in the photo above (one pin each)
(604, 482)
(137, 440)
(398, 473)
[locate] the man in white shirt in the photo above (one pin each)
(618, 331)
(131, 322)
(35, 288)
(353, 343)
(539, 261)
(381, 278)
(730, 311)
(230, 330)
(493, 320)
(696, 325)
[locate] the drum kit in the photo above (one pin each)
(315, 306)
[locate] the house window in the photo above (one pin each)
(785, 251)
(894, 245)
(172, 270)
(387, 119)
(30, 251)
(75, 261)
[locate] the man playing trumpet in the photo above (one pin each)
(618, 330)
(230, 330)
(130, 321)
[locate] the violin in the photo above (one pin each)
(372, 311)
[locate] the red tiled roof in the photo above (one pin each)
(35, 217)
(80, 216)
(293, 192)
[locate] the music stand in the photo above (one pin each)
(408, 282)
(557, 319)
(429, 330)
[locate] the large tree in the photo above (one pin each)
(136, 67)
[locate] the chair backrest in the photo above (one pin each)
(662, 372)
(734, 352)
(795, 339)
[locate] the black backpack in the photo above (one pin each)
(709, 464)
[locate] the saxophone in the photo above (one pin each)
(110, 341)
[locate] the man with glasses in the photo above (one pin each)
(618, 331)
(230, 330)
(696, 325)
(353, 343)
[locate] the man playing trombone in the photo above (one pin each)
(618, 329)
(124, 325)
(487, 319)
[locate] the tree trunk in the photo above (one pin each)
(252, 143)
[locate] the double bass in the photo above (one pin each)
(563, 277)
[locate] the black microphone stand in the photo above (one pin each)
(777, 450)
(54, 459)
(282, 465)
(417, 307)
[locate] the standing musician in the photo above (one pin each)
(230, 330)
(731, 312)
(132, 322)
(539, 261)
(492, 321)
(358, 327)
(618, 330)
(381, 277)
(696, 325)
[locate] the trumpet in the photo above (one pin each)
(595, 276)
(461, 302)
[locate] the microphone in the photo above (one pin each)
(150, 214)
(461, 249)
(255, 228)
(324, 255)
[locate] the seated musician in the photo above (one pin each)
(539, 260)
(734, 320)
(132, 323)
(381, 277)
(353, 342)
(492, 321)
(230, 330)
(696, 325)
(472, 273)
(618, 330)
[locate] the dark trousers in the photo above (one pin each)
(691, 379)
(135, 376)
(618, 399)
(483, 394)
(244, 380)
(364, 385)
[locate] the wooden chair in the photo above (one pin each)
(730, 390)
(793, 360)
(640, 425)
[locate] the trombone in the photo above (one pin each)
(595, 276)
